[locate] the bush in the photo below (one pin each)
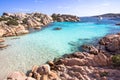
(4, 18)
(12, 22)
(116, 60)
(25, 21)
(102, 74)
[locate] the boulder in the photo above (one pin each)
(34, 68)
(111, 43)
(44, 69)
(16, 76)
(90, 49)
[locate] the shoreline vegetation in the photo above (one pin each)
(100, 62)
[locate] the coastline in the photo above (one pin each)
(94, 63)
(95, 60)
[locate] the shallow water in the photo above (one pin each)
(38, 47)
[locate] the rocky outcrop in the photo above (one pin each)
(67, 18)
(12, 24)
(111, 43)
(18, 76)
(90, 49)
(43, 73)
(93, 64)
(76, 66)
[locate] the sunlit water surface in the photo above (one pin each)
(38, 47)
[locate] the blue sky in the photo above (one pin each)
(76, 7)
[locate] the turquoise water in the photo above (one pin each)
(38, 47)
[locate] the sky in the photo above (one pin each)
(75, 7)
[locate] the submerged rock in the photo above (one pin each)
(57, 28)
(118, 24)
(90, 49)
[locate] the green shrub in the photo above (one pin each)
(12, 22)
(116, 60)
(102, 74)
(4, 18)
(25, 21)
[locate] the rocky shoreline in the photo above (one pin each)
(101, 62)
(15, 24)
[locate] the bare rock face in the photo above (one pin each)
(87, 59)
(10, 21)
(67, 18)
(43, 72)
(16, 76)
(44, 69)
(111, 43)
(12, 24)
(90, 49)
(85, 66)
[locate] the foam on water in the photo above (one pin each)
(38, 47)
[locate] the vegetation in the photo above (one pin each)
(12, 22)
(116, 60)
(25, 21)
(4, 18)
(102, 74)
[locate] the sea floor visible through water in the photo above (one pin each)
(38, 47)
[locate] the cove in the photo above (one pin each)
(39, 47)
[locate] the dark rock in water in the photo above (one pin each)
(57, 28)
(15, 38)
(90, 49)
(118, 24)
